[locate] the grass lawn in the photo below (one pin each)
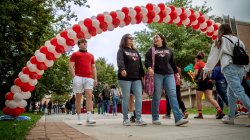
(17, 130)
(206, 110)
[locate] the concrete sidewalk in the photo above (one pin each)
(111, 128)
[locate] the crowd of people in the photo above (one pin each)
(160, 63)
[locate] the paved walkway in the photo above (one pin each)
(110, 128)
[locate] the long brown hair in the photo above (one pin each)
(224, 29)
(164, 42)
(123, 42)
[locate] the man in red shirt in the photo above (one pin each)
(82, 68)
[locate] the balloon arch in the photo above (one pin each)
(89, 27)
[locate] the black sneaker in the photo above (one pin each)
(198, 117)
(132, 119)
(220, 115)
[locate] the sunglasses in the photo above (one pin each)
(131, 38)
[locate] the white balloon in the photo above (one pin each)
(168, 10)
(22, 104)
(178, 11)
(145, 19)
(61, 41)
(133, 21)
(186, 22)
(197, 14)
(210, 29)
(37, 52)
(40, 72)
(24, 78)
(71, 34)
(156, 9)
(108, 19)
(26, 95)
(49, 63)
(95, 22)
(156, 18)
(120, 15)
(20, 74)
(110, 27)
(51, 48)
(28, 63)
(206, 17)
(32, 67)
(15, 89)
(33, 82)
(188, 12)
(105, 13)
(47, 43)
(132, 12)
(18, 97)
(57, 55)
(215, 32)
(195, 22)
(203, 25)
(122, 24)
(83, 27)
(144, 10)
(98, 30)
(11, 104)
(40, 57)
(177, 20)
(167, 19)
(87, 35)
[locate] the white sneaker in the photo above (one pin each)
(79, 123)
(181, 122)
(156, 122)
(140, 122)
(90, 122)
(227, 120)
(126, 123)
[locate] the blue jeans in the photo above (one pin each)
(99, 107)
(105, 106)
(221, 88)
(114, 105)
(234, 75)
(168, 83)
(73, 108)
(136, 87)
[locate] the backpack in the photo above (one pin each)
(240, 56)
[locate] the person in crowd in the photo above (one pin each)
(49, 107)
(68, 107)
(163, 72)
(130, 74)
(83, 70)
(115, 96)
(205, 86)
(222, 50)
(106, 99)
(73, 105)
(99, 104)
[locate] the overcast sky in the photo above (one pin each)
(106, 44)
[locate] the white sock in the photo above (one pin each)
(88, 115)
(131, 114)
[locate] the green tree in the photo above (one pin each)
(24, 26)
(185, 42)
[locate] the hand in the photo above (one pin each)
(95, 82)
(124, 73)
(151, 72)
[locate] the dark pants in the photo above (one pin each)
(180, 102)
(221, 89)
(105, 106)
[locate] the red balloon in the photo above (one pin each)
(33, 60)
(172, 7)
(214, 37)
(76, 28)
(64, 34)
(179, 23)
(190, 23)
(60, 49)
(116, 22)
(209, 23)
(171, 21)
(151, 14)
(192, 11)
(39, 77)
(100, 17)
(104, 26)
(69, 42)
(53, 41)
(137, 9)
(149, 6)
(25, 70)
(43, 50)
(92, 31)
(192, 17)
(216, 27)
(196, 27)
(80, 35)
(150, 21)
(9, 95)
(113, 14)
(33, 75)
(173, 15)
(183, 16)
(87, 22)
(27, 87)
(210, 34)
(204, 30)
(162, 14)
(127, 20)
(15, 112)
(201, 19)
(138, 18)
(22, 110)
(125, 10)
(18, 81)
(41, 66)
(6, 111)
(161, 6)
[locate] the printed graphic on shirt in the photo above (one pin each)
(132, 55)
(161, 53)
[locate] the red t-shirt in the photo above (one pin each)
(83, 63)
(199, 65)
(177, 82)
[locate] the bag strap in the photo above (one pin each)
(229, 39)
(153, 57)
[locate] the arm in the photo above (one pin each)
(72, 68)
(148, 59)
(213, 58)
(172, 63)
(120, 60)
(94, 74)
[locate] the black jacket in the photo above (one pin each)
(164, 61)
(129, 59)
